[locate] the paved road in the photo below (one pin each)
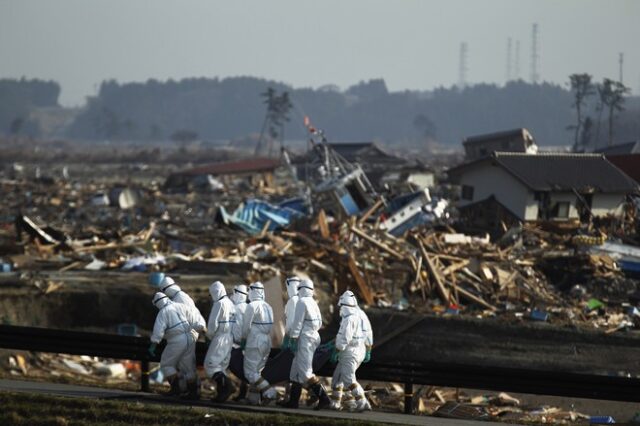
(94, 392)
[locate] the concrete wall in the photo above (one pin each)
(487, 179)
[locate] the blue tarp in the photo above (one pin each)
(253, 215)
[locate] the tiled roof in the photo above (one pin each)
(559, 171)
(250, 165)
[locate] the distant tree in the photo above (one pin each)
(184, 136)
(16, 125)
(599, 110)
(425, 126)
(612, 97)
(586, 135)
(582, 88)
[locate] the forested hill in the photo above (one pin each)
(230, 108)
(18, 99)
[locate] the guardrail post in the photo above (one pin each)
(408, 398)
(144, 375)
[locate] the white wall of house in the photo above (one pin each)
(567, 197)
(487, 180)
(605, 204)
(421, 179)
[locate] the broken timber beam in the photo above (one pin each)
(365, 291)
(442, 290)
(376, 243)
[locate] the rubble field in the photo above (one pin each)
(78, 242)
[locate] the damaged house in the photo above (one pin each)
(508, 187)
(516, 140)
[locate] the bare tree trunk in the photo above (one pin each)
(611, 125)
(575, 138)
(598, 128)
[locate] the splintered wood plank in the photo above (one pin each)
(323, 225)
(363, 287)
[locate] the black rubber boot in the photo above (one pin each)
(223, 387)
(323, 398)
(175, 387)
(193, 389)
(294, 396)
(243, 391)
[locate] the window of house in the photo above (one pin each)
(561, 209)
(467, 192)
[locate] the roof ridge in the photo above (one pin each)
(547, 154)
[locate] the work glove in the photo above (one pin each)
(243, 343)
(286, 343)
(293, 345)
(152, 349)
(367, 356)
(335, 355)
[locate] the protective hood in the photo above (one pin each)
(172, 290)
(168, 285)
(348, 303)
(160, 300)
(292, 286)
(256, 291)
(217, 291)
(305, 289)
(240, 293)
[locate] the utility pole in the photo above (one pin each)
(508, 72)
(462, 72)
(516, 73)
(620, 64)
(534, 54)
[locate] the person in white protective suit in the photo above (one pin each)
(290, 309)
(220, 330)
(292, 284)
(174, 323)
(256, 340)
(304, 341)
(349, 352)
(169, 287)
(239, 299)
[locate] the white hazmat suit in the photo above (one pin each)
(256, 333)
(174, 323)
(177, 295)
(350, 344)
(290, 308)
(239, 299)
(305, 340)
(220, 330)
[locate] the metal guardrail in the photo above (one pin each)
(439, 374)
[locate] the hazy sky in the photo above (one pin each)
(412, 44)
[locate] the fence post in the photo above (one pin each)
(408, 398)
(144, 375)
